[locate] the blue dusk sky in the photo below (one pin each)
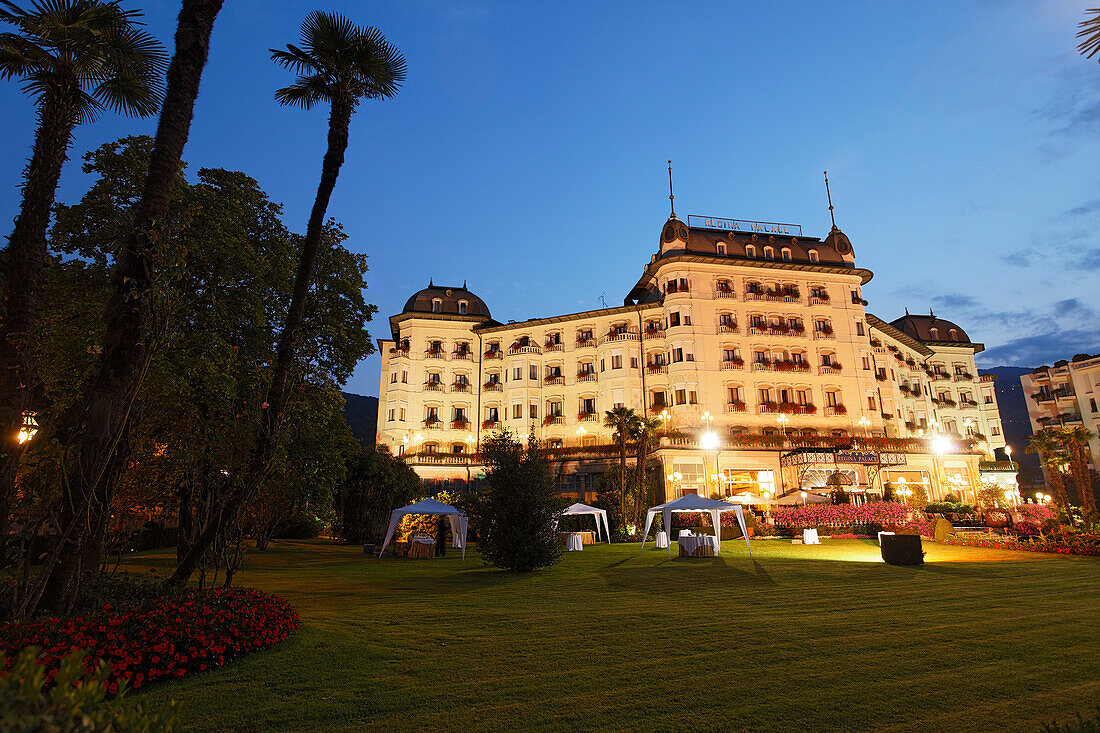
(526, 152)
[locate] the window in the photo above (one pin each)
(786, 253)
(404, 376)
(813, 255)
(460, 415)
(995, 430)
(458, 448)
(729, 354)
(870, 402)
(733, 394)
(677, 354)
(533, 371)
(588, 406)
(859, 328)
(603, 366)
(830, 399)
(393, 378)
(760, 356)
(437, 305)
(785, 395)
(867, 363)
(1092, 404)
(750, 251)
(616, 361)
(953, 334)
(533, 411)
(764, 395)
(391, 414)
(802, 397)
(769, 253)
(934, 333)
(462, 304)
(988, 399)
(721, 247)
(692, 398)
(681, 397)
(492, 414)
(633, 362)
(432, 414)
(402, 415)
(517, 411)
(517, 373)
(554, 409)
(798, 358)
(673, 319)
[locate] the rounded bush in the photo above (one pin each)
(942, 529)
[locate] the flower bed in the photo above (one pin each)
(1063, 542)
(173, 637)
(811, 516)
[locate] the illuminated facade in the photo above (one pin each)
(1066, 395)
(761, 337)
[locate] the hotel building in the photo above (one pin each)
(1066, 394)
(748, 330)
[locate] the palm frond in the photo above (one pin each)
(1089, 33)
(304, 93)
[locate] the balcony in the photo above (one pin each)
(460, 424)
(735, 406)
(399, 351)
(656, 368)
(524, 349)
(829, 369)
(492, 387)
(433, 424)
(654, 333)
(587, 417)
(819, 300)
(757, 330)
(835, 410)
(1063, 394)
(823, 334)
(767, 408)
(728, 328)
(963, 376)
(1043, 397)
(733, 364)
(968, 405)
(791, 366)
(433, 386)
(434, 354)
(586, 376)
(586, 343)
(490, 424)
(762, 366)
(554, 347)
(754, 295)
(461, 355)
(786, 330)
(725, 294)
(553, 379)
(941, 376)
(553, 420)
(619, 336)
(460, 387)
(493, 354)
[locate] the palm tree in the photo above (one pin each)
(1089, 33)
(1050, 447)
(622, 420)
(98, 442)
(1076, 441)
(645, 430)
(75, 59)
(338, 63)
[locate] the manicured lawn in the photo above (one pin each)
(804, 638)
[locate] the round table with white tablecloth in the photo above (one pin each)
(662, 540)
(574, 543)
(809, 537)
(690, 543)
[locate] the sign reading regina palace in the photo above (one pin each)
(748, 330)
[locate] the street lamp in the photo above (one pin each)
(865, 424)
(803, 498)
(708, 441)
(783, 420)
(581, 432)
(29, 428)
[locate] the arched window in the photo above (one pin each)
(769, 253)
(462, 306)
(954, 335)
(813, 256)
(750, 250)
(721, 248)
(786, 253)
(934, 333)
(437, 305)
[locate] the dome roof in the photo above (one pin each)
(450, 297)
(921, 328)
(674, 233)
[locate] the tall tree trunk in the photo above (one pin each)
(338, 125)
(26, 261)
(640, 492)
(125, 351)
(1057, 485)
(1081, 478)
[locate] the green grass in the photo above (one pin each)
(806, 637)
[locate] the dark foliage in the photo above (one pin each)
(519, 507)
(377, 483)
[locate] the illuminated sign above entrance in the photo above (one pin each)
(746, 226)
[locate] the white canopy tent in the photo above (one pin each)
(430, 506)
(700, 505)
(598, 514)
(796, 498)
(747, 497)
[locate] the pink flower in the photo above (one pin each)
(264, 406)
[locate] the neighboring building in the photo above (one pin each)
(761, 337)
(1067, 394)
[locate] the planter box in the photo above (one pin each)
(902, 549)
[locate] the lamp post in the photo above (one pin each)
(581, 432)
(470, 440)
(865, 424)
(709, 442)
(782, 421)
(411, 439)
(674, 480)
(803, 498)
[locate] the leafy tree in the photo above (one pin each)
(377, 483)
(520, 506)
(1051, 448)
(1075, 440)
(623, 422)
(645, 434)
(99, 437)
(1088, 30)
(75, 58)
(341, 64)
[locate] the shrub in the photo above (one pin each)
(120, 591)
(948, 507)
(173, 637)
(1062, 542)
(73, 700)
(843, 515)
(942, 529)
(520, 506)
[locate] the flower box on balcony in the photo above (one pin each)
(586, 416)
(460, 387)
(807, 409)
(459, 424)
(487, 424)
(840, 410)
(737, 406)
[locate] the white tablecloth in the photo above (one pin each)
(691, 542)
(424, 541)
(809, 537)
(573, 542)
(662, 540)
(880, 534)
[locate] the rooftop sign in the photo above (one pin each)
(744, 225)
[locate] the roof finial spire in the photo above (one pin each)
(463, 283)
(430, 284)
(830, 195)
(671, 198)
(906, 310)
